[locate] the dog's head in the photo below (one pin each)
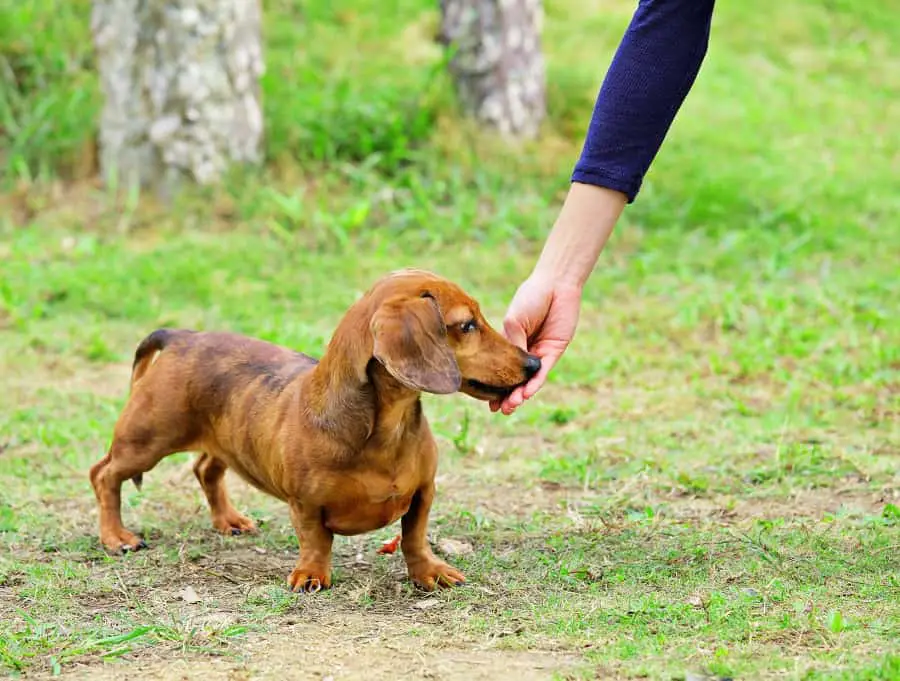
(431, 336)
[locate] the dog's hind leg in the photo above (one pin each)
(124, 460)
(139, 443)
(210, 472)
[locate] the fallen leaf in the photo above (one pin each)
(189, 595)
(454, 547)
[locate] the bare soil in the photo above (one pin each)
(346, 647)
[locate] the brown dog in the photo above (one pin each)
(343, 441)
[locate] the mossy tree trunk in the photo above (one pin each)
(181, 86)
(497, 63)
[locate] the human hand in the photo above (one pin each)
(541, 319)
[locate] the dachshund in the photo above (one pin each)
(342, 440)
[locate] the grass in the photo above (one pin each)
(709, 484)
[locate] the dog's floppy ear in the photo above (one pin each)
(410, 341)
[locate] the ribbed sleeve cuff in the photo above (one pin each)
(600, 179)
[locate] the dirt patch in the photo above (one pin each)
(348, 648)
(819, 502)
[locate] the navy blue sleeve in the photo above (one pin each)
(652, 72)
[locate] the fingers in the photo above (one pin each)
(513, 402)
(537, 382)
(518, 396)
(543, 316)
(515, 332)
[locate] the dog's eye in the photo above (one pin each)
(468, 327)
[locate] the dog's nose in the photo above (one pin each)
(532, 365)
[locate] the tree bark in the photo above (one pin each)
(181, 84)
(498, 66)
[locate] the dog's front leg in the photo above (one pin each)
(313, 571)
(424, 568)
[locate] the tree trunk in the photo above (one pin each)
(498, 66)
(181, 82)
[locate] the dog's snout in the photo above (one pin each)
(532, 365)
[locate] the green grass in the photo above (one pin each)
(709, 483)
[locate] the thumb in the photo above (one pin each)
(515, 333)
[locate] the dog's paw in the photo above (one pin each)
(122, 542)
(432, 573)
(234, 523)
(310, 579)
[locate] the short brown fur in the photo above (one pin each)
(342, 441)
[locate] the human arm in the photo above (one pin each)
(544, 312)
(653, 70)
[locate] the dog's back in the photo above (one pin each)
(217, 363)
(206, 378)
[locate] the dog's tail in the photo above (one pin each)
(147, 352)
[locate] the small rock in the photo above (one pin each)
(752, 593)
(189, 595)
(454, 547)
(260, 550)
